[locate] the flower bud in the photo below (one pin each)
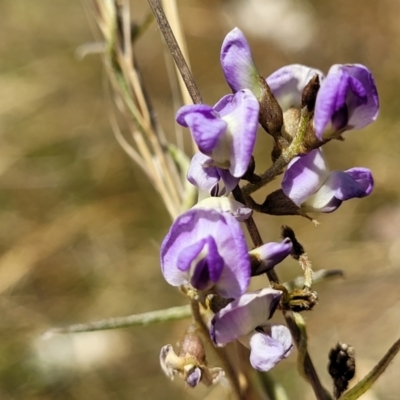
(342, 367)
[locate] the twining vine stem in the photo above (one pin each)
(319, 391)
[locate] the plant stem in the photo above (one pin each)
(309, 370)
(220, 352)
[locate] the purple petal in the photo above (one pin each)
(201, 175)
(268, 348)
(347, 99)
(209, 269)
(287, 84)
(243, 315)
(363, 177)
(237, 63)
(195, 226)
(194, 377)
(240, 112)
(340, 186)
(363, 114)
(304, 176)
(272, 254)
(188, 254)
(205, 177)
(204, 123)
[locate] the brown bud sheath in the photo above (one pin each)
(271, 116)
(310, 92)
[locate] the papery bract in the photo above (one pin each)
(226, 132)
(309, 184)
(206, 248)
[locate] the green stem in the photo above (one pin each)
(362, 386)
(220, 352)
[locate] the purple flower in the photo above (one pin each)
(246, 319)
(212, 180)
(206, 248)
(309, 184)
(237, 63)
(347, 98)
(226, 132)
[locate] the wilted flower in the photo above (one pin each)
(246, 319)
(226, 132)
(309, 184)
(190, 362)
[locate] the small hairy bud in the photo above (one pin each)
(309, 94)
(297, 300)
(341, 367)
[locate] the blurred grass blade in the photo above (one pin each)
(151, 317)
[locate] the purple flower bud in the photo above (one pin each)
(265, 257)
(206, 248)
(309, 184)
(237, 63)
(226, 132)
(347, 99)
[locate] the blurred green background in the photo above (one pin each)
(81, 227)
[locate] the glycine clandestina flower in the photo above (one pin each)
(206, 248)
(226, 132)
(246, 319)
(347, 98)
(309, 184)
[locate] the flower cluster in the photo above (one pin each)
(205, 251)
